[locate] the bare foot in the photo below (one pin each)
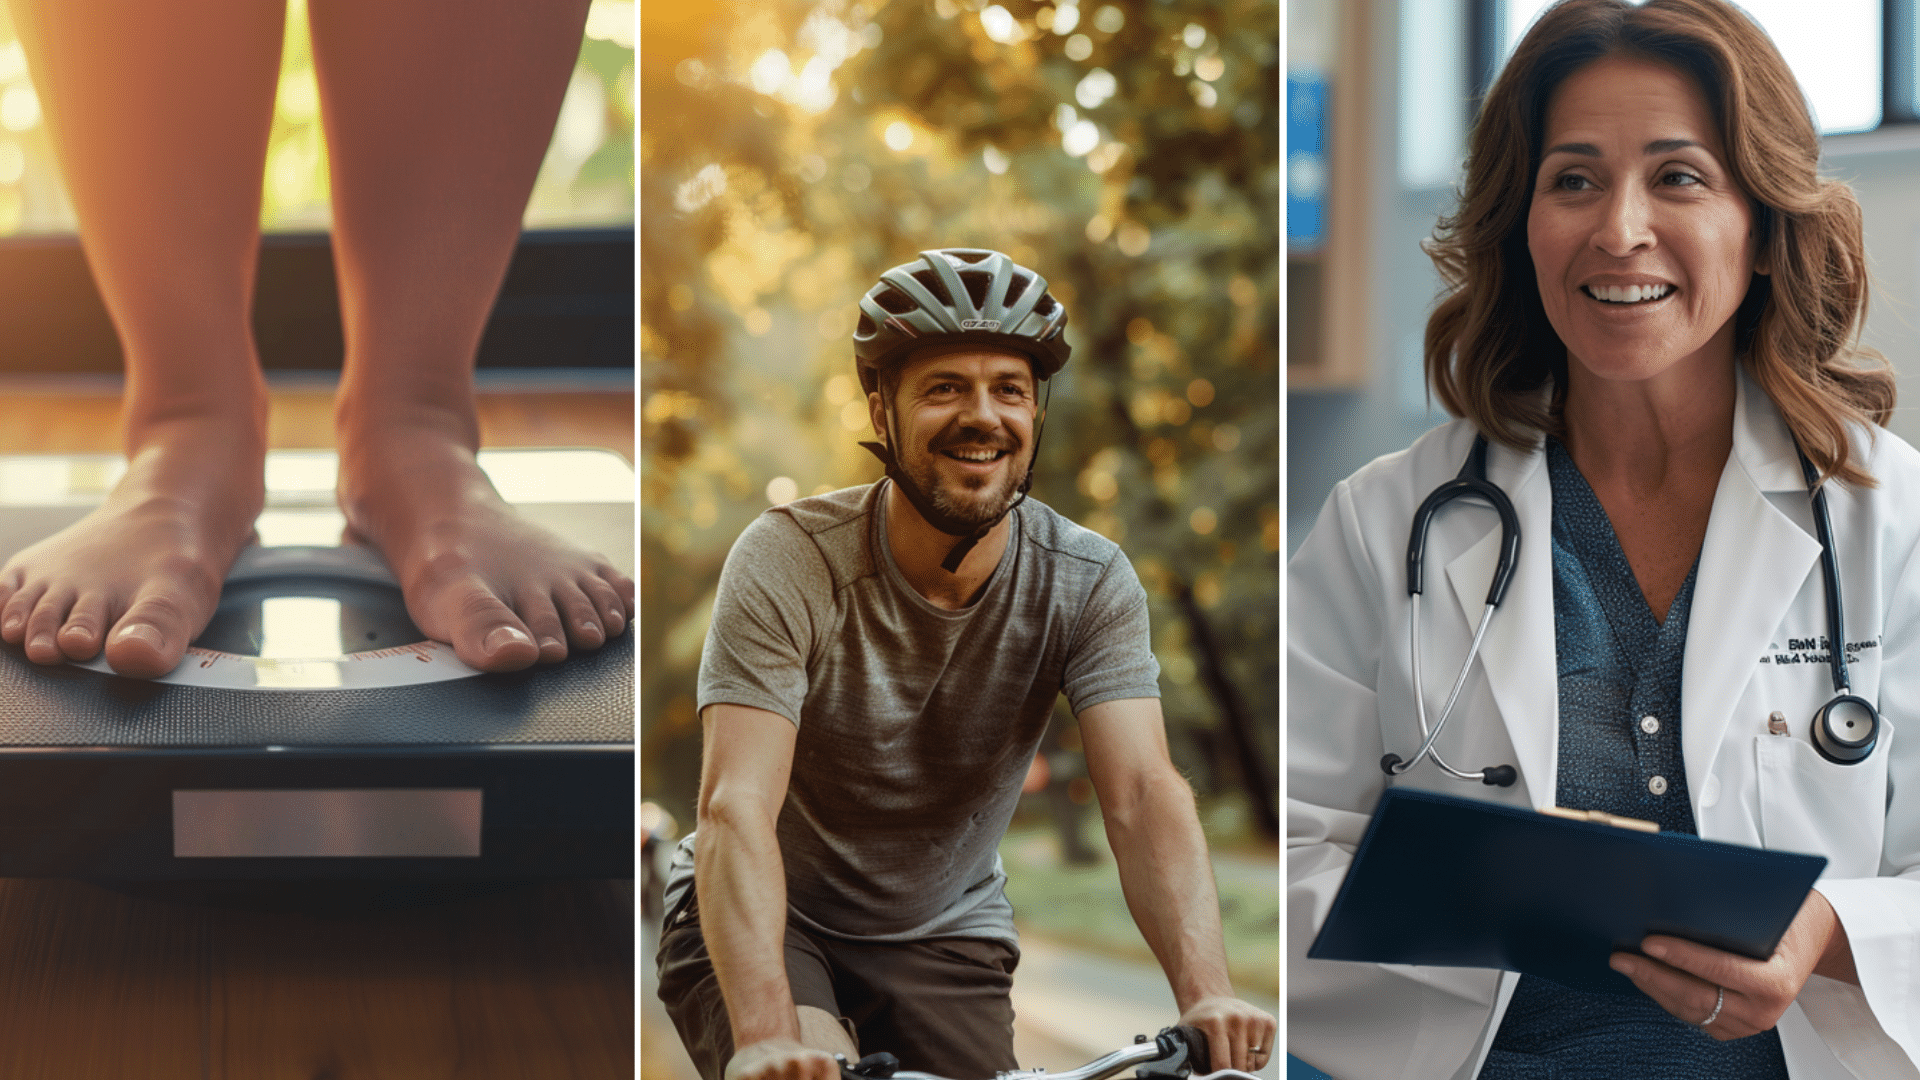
(505, 592)
(141, 574)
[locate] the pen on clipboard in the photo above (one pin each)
(1603, 818)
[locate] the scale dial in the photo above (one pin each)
(310, 618)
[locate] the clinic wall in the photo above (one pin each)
(1332, 433)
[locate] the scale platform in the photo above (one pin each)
(311, 732)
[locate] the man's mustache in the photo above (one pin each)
(974, 442)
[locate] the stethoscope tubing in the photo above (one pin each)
(1471, 481)
(1446, 711)
(1830, 578)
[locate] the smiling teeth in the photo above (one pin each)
(1628, 294)
(975, 455)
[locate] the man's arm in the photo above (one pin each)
(1164, 871)
(742, 890)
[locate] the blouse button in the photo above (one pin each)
(1650, 724)
(1657, 785)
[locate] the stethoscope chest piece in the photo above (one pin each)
(1845, 730)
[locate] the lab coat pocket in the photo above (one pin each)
(1810, 805)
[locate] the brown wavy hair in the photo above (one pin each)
(1491, 354)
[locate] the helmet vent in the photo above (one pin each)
(977, 284)
(971, 256)
(866, 328)
(1044, 306)
(895, 302)
(933, 285)
(1015, 288)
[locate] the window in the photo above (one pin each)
(586, 179)
(1834, 48)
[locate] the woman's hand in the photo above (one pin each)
(1686, 978)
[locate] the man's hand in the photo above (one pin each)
(1687, 979)
(1239, 1036)
(782, 1059)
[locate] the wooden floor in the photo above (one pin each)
(40, 417)
(531, 983)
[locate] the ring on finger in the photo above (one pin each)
(1719, 1000)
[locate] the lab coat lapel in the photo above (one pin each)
(1518, 652)
(1751, 562)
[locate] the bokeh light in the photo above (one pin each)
(587, 177)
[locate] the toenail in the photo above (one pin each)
(550, 643)
(504, 636)
(14, 623)
(589, 626)
(142, 633)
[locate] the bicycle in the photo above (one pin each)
(1177, 1052)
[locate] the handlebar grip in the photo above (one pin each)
(878, 1066)
(1198, 1058)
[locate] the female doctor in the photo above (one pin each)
(1651, 308)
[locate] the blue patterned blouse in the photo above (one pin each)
(1619, 752)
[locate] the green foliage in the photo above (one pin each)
(769, 210)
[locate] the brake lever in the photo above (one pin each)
(1183, 1052)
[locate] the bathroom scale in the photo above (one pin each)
(312, 732)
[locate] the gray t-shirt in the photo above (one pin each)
(916, 723)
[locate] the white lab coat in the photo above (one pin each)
(1349, 701)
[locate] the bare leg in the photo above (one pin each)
(438, 113)
(160, 113)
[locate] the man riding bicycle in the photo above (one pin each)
(879, 671)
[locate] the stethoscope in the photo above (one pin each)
(1844, 730)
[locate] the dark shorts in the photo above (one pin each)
(940, 1005)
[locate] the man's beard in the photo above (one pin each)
(969, 505)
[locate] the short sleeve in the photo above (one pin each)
(774, 590)
(1112, 653)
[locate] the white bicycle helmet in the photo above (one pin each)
(959, 296)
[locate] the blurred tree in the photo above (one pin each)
(791, 150)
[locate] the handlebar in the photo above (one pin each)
(1176, 1052)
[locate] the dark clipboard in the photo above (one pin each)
(1450, 882)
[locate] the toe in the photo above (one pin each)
(582, 618)
(43, 626)
(86, 623)
(151, 637)
(486, 633)
(13, 616)
(606, 601)
(543, 621)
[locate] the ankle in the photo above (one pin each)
(375, 422)
(232, 411)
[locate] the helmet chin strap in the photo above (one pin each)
(970, 535)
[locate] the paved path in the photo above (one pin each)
(1087, 1005)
